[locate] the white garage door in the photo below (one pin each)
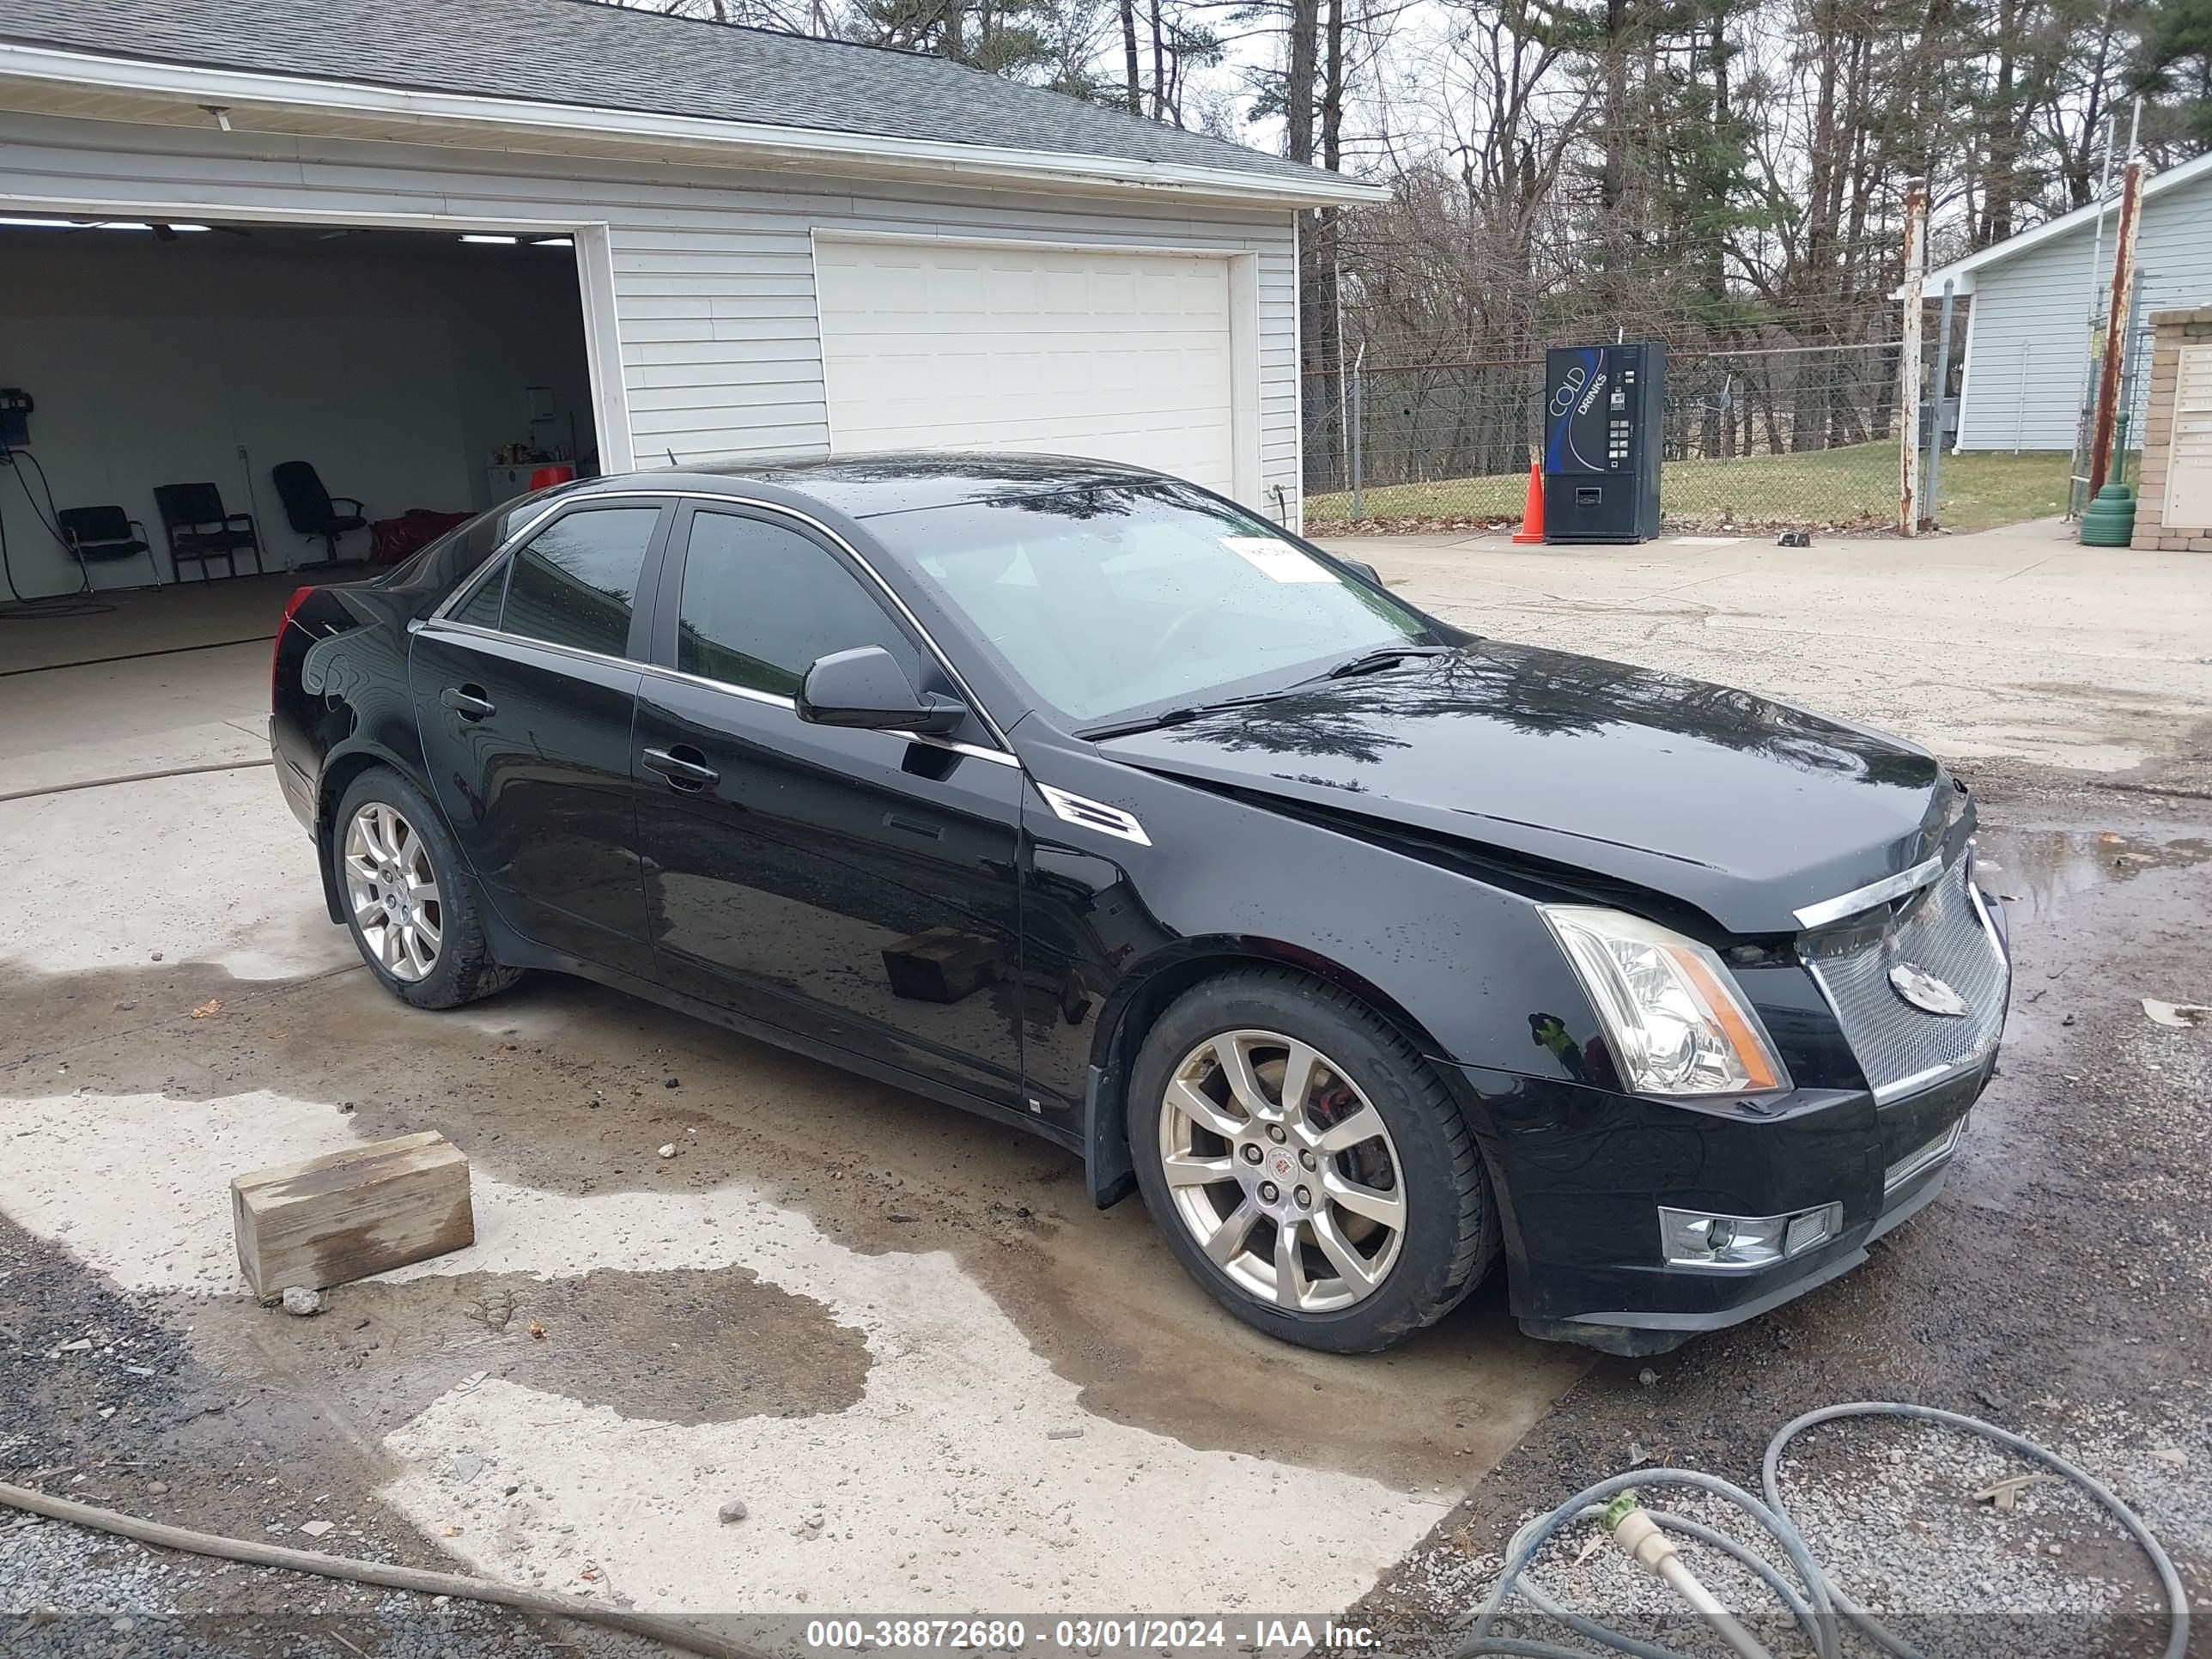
(1122, 356)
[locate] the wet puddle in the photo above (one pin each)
(2039, 869)
(681, 1345)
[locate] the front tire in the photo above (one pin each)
(1306, 1164)
(409, 902)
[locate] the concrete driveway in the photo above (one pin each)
(2013, 643)
(937, 1378)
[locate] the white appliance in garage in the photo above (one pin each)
(948, 345)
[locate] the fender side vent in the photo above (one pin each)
(1093, 814)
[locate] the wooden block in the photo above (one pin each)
(941, 964)
(345, 1215)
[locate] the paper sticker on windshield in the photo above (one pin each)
(1278, 560)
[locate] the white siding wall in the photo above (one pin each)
(2028, 355)
(713, 283)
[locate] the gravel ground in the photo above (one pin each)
(2057, 1288)
(133, 1422)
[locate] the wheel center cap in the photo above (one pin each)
(1281, 1165)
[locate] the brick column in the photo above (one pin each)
(2170, 332)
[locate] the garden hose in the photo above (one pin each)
(1814, 1609)
(671, 1633)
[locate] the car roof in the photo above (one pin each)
(868, 486)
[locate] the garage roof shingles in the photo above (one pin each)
(602, 56)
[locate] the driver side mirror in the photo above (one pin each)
(1364, 569)
(866, 688)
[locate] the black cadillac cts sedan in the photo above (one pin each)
(1365, 949)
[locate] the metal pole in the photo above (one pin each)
(2116, 323)
(1343, 388)
(1358, 432)
(2096, 244)
(1908, 358)
(2130, 362)
(1942, 388)
(2080, 471)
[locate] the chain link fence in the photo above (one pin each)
(2133, 408)
(1756, 438)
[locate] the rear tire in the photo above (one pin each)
(413, 910)
(1306, 1164)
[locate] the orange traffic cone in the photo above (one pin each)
(1532, 511)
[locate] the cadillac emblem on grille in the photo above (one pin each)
(1925, 992)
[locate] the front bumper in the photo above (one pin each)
(1582, 1171)
(1588, 1267)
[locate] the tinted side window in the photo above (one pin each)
(576, 581)
(447, 562)
(761, 603)
(482, 607)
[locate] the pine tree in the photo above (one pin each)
(2175, 63)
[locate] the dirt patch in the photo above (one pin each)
(43, 1015)
(679, 1346)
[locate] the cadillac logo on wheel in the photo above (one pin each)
(1925, 992)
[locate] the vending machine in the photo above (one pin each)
(1604, 412)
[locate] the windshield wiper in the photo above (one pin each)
(1368, 661)
(1180, 716)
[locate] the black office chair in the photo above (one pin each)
(97, 534)
(313, 510)
(200, 531)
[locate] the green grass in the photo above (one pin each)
(1853, 488)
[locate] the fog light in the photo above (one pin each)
(1697, 1238)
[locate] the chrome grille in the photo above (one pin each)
(1923, 1158)
(1941, 930)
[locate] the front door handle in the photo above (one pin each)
(912, 826)
(684, 767)
(468, 702)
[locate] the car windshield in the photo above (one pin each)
(1109, 601)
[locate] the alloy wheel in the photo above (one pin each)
(392, 889)
(1282, 1170)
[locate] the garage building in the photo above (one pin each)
(428, 249)
(2035, 302)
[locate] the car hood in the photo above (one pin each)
(1746, 808)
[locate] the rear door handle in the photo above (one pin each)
(684, 767)
(468, 702)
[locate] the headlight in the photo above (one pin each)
(1670, 1013)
